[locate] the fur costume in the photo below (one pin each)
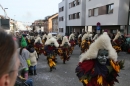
(71, 36)
(44, 36)
(59, 37)
(38, 39)
(117, 35)
(63, 51)
(80, 35)
(95, 37)
(52, 40)
(51, 52)
(49, 36)
(103, 42)
(65, 39)
(88, 35)
(91, 72)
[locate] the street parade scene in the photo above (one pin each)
(77, 50)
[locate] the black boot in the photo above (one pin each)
(35, 73)
(50, 69)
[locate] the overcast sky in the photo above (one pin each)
(29, 10)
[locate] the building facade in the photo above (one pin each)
(55, 24)
(79, 15)
(111, 14)
(72, 16)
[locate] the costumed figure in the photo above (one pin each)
(63, 51)
(50, 48)
(38, 45)
(85, 43)
(117, 42)
(44, 38)
(72, 42)
(79, 39)
(59, 39)
(99, 66)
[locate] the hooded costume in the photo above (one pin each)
(38, 45)
(44, 38)
(50, 49)
(85, 42)
(117, 42)
(72, 42)
(63, 51)
(59, 39)
(79, 39)
(94, 71)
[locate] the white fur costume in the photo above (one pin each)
(71, 37)
(59, 36)
(95, 37)
(52, 40)
(65, 39)
(103, 42)
(88, 35)
(117, 35)
(38, 39)
(49, 36)
(44, 36)
(79, 35)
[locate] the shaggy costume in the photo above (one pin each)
(50, 49)
(72, 42)
(86, 41)
(91, 72)
(79, 39)
(38, 45)
(117, 42)
(44, 38)
(59, 39)
(63, 51)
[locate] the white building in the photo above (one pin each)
(77, 15)
(72, 16)
(110, 13)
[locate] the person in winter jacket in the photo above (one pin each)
(24, 57)
(33, 60)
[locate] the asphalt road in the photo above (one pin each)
(64, 75)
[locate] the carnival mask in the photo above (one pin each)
(52, 44)
(65, 44)
(102, 56)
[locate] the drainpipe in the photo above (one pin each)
(128, 19)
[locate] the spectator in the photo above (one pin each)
(9, 61)
(24, 57)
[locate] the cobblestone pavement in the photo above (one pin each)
(64, 75)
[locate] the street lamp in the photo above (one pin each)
(128, 21)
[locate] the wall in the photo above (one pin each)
(123, 12)
(62, 24)
(107, 19)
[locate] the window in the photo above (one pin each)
(78, 2)
(110, 8)
(78, 15)
(61, 9)
(95, 11)
(60, 29)
(61, 18)
(69, 5)
(89, 12)
(73, 16)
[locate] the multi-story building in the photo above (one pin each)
(55, 24)
(111, 14)
(72, 16)
(77, 15)
(50, 22)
